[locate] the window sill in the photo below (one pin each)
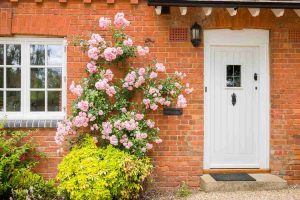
(31, 123)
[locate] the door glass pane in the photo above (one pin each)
(37, 54)
(13, 54)
(13, 77)
(1, 101)
(1, 77)
(13, 101)
(229, 70)
(37, 79)
(55, 54)
(233, 76)
(37, 101)
(54, 77)
(1, 54)
(54, 101)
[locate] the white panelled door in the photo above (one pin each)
(235, 118)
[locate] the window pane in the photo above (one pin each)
(229, 82)
(37, 54)
(54, 101)
(13, 54)
(13, 101)
(37, 79)
(237, 70)
(1, 101)
(237, 82)
(13, 77)
(1, 77)
(229, 70)
(54, 78)
(1, 54)
(37, 101)
(55, 54)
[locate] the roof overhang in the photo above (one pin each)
(275, 4)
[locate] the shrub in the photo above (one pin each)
(17, 157)
(89, 172)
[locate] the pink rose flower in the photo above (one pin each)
(142, 71)
(153, 75)
(158, 141)
(139, 117)
(113, 140)
(120, 20)
(76, 89)
(142, 51)
(128, 42)
(104, 22)
(160, 67)
(83, 105)
(153, 106)
(91, 67)
(181, 101)
(93, 53)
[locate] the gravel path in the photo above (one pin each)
(288, 194)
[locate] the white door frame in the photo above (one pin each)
(247, 37)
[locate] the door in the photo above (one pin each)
(235, 114)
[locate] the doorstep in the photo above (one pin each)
(263, 182)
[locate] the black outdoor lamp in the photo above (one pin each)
(195, 34)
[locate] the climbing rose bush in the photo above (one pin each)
(106, 106)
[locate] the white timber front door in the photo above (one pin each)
(236, 106)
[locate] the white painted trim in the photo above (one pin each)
(278, 12)
(183, 10)
(232, 11)
(158, 10)
(297, 11)
(246, 37)
(25, 113)
(254, 11)
(207, 11)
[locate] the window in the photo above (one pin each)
(32, 78)
(233, 76)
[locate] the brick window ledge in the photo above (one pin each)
(31, 123)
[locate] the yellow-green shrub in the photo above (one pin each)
(89, 172)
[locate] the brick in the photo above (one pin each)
(134, 1)
(110, 1)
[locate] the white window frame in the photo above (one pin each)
(25, 113)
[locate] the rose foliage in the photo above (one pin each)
(106, 105)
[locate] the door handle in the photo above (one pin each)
(233, 99)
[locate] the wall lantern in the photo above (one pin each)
(195, 35)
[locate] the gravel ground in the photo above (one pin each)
(293, 193)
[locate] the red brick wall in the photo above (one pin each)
(180, 157)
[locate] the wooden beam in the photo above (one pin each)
(230, 171)
(232, 11)
(297, 11)
(254, 11)
(158, 9)
(278, 12)
(183, 10)
(207, 11)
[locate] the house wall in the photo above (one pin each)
(180, 157)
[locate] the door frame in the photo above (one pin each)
(250, 38)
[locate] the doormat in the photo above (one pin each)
(233, 177)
